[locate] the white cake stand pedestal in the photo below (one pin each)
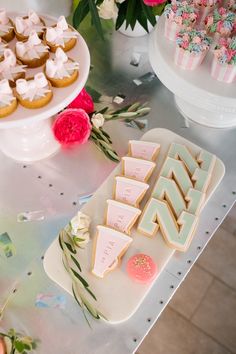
(198, 96)
(26, 134)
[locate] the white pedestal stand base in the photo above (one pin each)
(205, 117)
(30, 142)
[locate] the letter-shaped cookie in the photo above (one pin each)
(178, 234)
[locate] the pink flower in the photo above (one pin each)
(84, 101)
(197, 40)
(72, 126)
(153, 2)
(185, 45)
(185, 15)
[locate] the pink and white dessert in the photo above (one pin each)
(32, 52)
(138, 169)
(6, 27)
(141, 268)
(110, 245)
(121, 216)
(221, 23)
(191, 49)
(224, 62)
(61, 35)
(178, 14)
(61, 71)
(144, 149)
(24, 25)
(204, 7)
(129, 191)
(3, 46)
(10, 68)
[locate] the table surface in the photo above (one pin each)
(54, 188)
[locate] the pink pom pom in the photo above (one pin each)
(83, 101)
(153, 2)
(72, 126)
(141, 268)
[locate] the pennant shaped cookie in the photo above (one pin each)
(138, 169)
(121, 216)
(144, 149)
(129, 191)
(110, 245)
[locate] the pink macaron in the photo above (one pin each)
(141, 268)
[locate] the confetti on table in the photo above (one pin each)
(6, 245)
(118, 99)
(137, 123)
(26, 216)
(148, 77)
(84, 199)
(50, 301)
(135, 59)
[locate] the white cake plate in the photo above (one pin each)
(198, 96)
(26, 134)
(118, 297)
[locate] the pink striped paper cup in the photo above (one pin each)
(223, 72)
(187, 60)
(171, 29)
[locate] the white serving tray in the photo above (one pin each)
(118, 297)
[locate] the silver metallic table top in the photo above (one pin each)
(54, 186)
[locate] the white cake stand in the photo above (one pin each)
(197, 95)
(26, 134)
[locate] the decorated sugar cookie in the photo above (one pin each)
(138, 169)
(8, 102)
(141, 268)
(24, 25)
(121, 216)
(110, 245)
(6, 27)
(34, 92)
(32, 52)
(144, 149)
(11, 68)
(199, 168)
(61, 35)
(129, 191)
(177, 233)
(61, 71)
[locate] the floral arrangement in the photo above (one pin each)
(74, 236)
(225, 51)
(80, 121)
(221, 21)
(206, 3)
(232, 5)
(181, 13)
(193, 41)
(120, 11)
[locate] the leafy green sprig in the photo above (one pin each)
(80, 286)
(18, 343)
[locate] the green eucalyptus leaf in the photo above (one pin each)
(76, 262)
(80, 13)
(70, 248)
(95, 17)
(81, 279)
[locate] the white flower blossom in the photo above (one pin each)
(79, 228)
(108, 10)
(98, 120)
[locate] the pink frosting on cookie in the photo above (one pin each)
(128, 190)
(141, 268)
(137, 168)
(143, 149)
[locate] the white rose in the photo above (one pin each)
(108, 10)
(79, 227)
(98, 120)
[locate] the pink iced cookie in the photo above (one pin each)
(141, 268)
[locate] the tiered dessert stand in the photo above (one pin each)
(26, 135)
(197, 95)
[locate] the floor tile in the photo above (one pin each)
(216, 314)
(229, 223)
(219, 257)
(186, 298)
(175, 335)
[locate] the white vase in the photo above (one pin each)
(138, 30)
(53, 8)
